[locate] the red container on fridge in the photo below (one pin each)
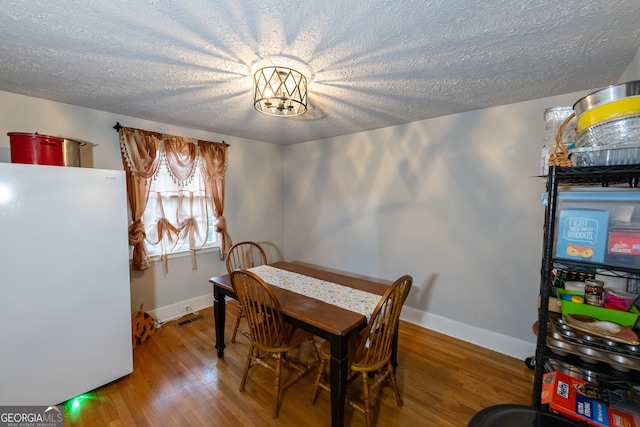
(36, 149)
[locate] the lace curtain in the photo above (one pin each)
(179, 213)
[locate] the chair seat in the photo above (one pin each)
(299, 337)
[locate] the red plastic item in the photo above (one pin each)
(36, 149)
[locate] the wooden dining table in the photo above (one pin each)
(328, 321)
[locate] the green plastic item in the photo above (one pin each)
(623, 318)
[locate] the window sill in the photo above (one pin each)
(158, 257)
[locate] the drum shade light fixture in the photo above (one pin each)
(280, 91)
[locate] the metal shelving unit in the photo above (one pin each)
(604, 176)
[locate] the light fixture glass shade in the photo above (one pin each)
(280, 91)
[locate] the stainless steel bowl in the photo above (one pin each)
(607, 94)
(71, 152)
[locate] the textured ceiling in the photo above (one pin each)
(371, 64)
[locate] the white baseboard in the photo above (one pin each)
(514, 347)
(179, 309)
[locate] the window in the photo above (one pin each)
(177, 217)
(175, 189)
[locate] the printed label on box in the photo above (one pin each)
(621, 242)
(582, 235)
(592, 410)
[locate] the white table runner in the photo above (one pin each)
(342, 296)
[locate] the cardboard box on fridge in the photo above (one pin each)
(582, 234)
(580, 400)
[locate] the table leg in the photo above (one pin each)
(338, 373)
(219, 315)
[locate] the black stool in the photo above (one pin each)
(519, 416)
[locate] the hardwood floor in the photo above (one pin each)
(179, 381)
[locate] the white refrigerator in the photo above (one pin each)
(65, 309)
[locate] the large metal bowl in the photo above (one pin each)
(71, 152)
(605, 95)
(619, 109)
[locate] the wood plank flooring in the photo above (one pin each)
(178, 380)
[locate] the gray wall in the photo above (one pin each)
(452, 201)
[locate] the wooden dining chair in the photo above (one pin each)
(241, 256)
(370, 355)
(269, 334)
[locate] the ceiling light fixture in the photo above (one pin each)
(280, 91)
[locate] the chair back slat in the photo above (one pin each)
(245, 255)
(267, 329)
(375, 347)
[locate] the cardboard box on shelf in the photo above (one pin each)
(624, 242)
(582, 234)
(580, 400)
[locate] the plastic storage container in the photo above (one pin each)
(618, 300)
(554, 118)
(599, 227)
